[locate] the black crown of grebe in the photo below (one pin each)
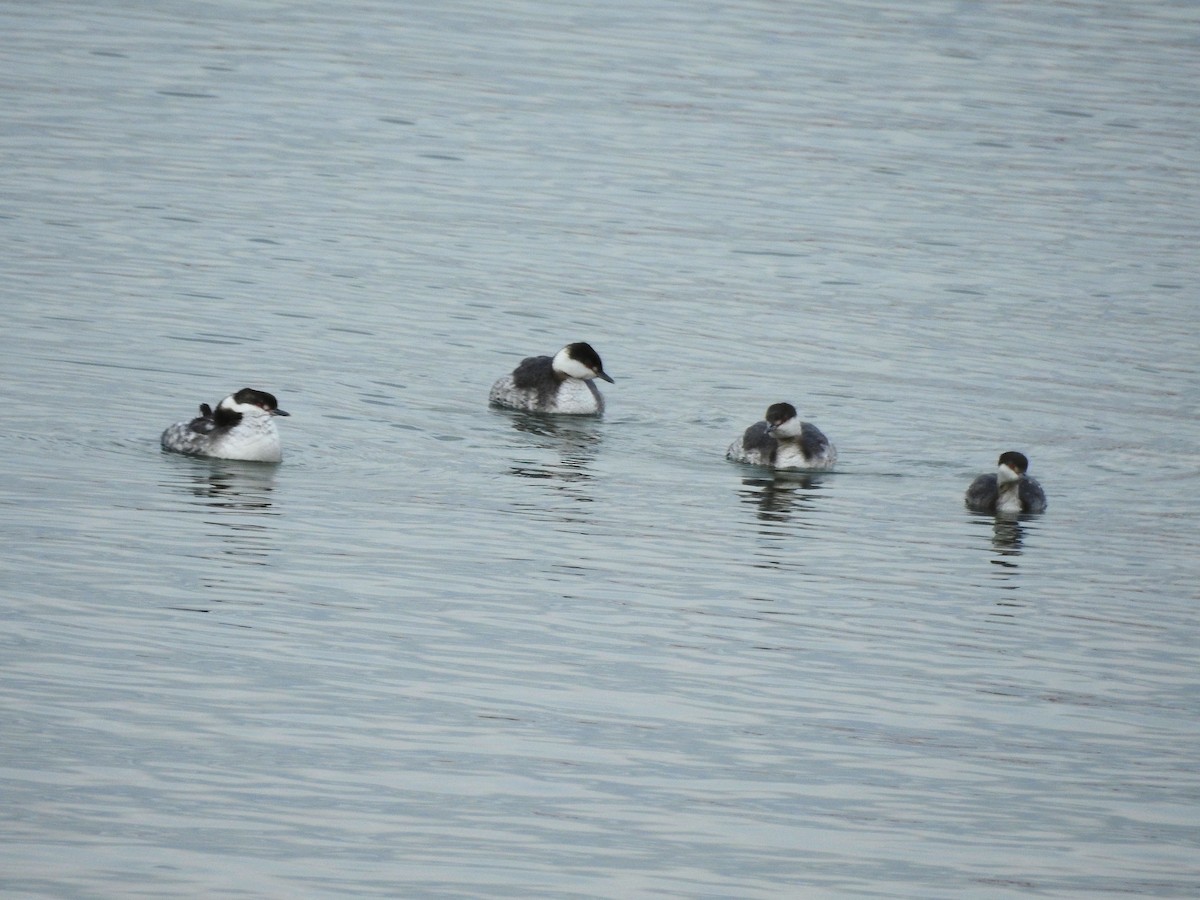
(783, 441)
(562, 383)
(1008, 490)
(241, 427)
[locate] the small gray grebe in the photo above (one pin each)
(1009, 490)
(782, 441)
(558, 384)
(241, 427)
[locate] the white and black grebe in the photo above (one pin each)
(562, 383)
(241, 427)
(1009, 490)
(783, 441)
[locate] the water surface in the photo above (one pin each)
(444, 650)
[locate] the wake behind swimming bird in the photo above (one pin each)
(241, 427)
(783, 441)
(1009, 490)
(562, 383)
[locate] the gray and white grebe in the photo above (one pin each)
(241, 427)
(783, 441)
(1009, 490)
(562, 383)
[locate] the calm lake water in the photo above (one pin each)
(445, 651)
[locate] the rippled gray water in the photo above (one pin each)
(447, 651)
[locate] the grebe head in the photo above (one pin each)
(246, 402)
(1011, 466)
(580, 361)
(783, 420)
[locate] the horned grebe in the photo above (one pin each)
(558, 384)
(241, 427)
(782, 441)
(1009, 490)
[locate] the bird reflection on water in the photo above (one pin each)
(782, 503)
(1008, 537)
(1004, 551)
(779, 497)
(236, 501)
(231, 486)
(559, 452)
(574, 442)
